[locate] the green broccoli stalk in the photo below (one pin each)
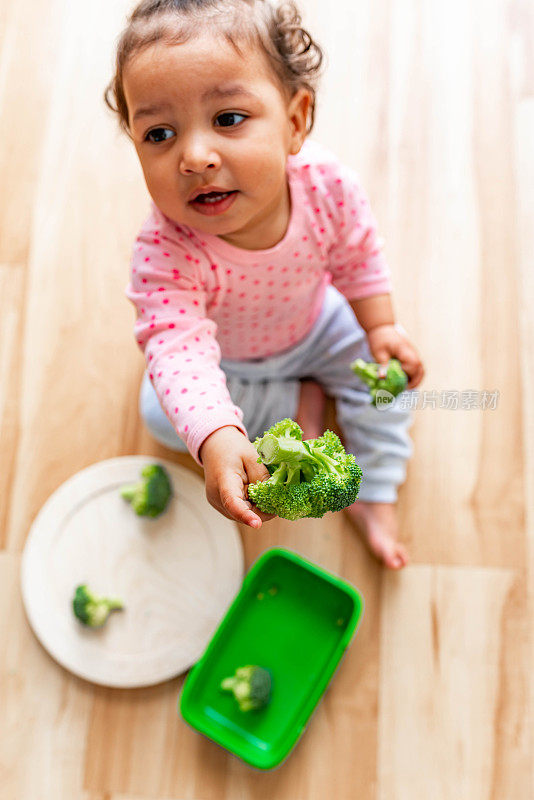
(93, 611)
(150, 496)
(388, 381)
(251, 687)
(308, 478)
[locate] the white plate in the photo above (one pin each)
(176, 574)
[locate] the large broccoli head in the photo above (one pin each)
(149, 496)
(251, 687)
(384, 383)
(92, 610)
(308, 478)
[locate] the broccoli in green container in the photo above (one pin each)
(251, 687)
(384, 383)
(92, 610)
(308, 478)
(150, 496)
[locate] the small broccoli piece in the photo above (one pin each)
(391, 379)
(150, 496)
(308, 478)
(93, 611)
(251, 687)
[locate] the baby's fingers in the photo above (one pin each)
(234, 505)
(256, 471)
(416, 376)
(414, 370)
(411, 364)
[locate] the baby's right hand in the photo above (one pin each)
(230, 463)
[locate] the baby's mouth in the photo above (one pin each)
(212, 204)
(212, 197)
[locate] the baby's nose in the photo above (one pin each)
(197, 157)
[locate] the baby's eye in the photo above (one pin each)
(159, 135)
(230, 119)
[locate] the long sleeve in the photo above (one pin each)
(357, 264)
(177, 338)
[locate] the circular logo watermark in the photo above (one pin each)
(383, 399)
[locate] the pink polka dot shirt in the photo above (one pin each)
(199, 298)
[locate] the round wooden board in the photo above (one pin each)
(176, 574)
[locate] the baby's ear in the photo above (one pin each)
(298, 112)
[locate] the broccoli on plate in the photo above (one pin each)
(93, 611)
(308, 478)
(150, 496)
(384, 383)
(251, 687)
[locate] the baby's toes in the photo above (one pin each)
(397, 557)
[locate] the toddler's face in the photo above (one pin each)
(203, 118)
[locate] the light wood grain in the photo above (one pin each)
(433, 104)
(12, 291)
(524, 135)
(456, 704)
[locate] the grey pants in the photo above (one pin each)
(267, 390)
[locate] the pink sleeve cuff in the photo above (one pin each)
(358, 291)
(200, 432)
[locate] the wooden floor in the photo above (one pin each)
(433, 103)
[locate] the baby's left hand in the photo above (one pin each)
(386, 342)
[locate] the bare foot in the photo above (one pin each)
(377, 525)
(310, 412)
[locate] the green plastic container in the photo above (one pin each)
(291, 617)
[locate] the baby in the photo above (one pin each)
(258, 276)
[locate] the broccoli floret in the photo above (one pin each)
(150, 496)
(308, 478)
(390, 380)
(93, 611)
(286, 427)
(251, 687)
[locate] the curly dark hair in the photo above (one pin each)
(294, 57)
